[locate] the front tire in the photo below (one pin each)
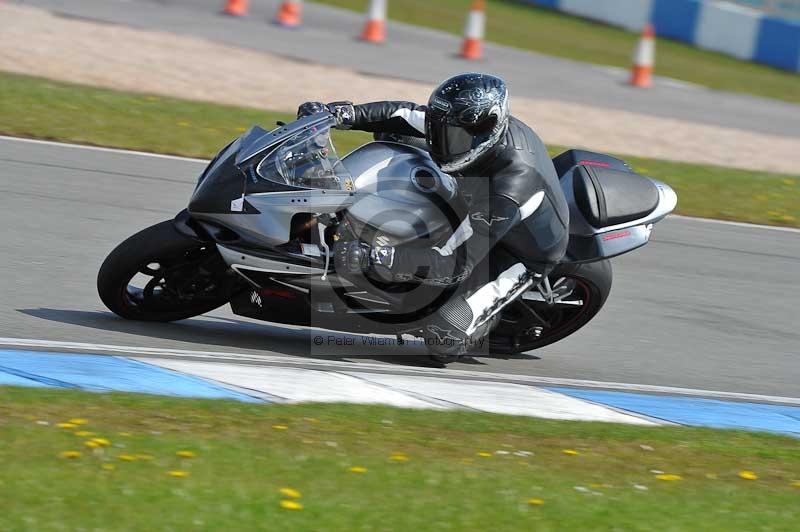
(181, 277)
(537, 324)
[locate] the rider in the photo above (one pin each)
(517, 216)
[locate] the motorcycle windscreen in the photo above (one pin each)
(307, 160)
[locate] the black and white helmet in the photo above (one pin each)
(467, 116)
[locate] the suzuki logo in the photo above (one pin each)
(255, 298)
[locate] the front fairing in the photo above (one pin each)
(220, 183)
(262, 161)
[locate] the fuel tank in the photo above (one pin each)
(401, 194)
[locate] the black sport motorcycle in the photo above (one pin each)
(269, 207)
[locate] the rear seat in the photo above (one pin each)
(609, 197)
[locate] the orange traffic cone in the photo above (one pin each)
(290, 14)
(474, 31)
(236, 8)
(375, 27)
(644, 59)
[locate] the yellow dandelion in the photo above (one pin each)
(84, 433)
(669, 477)
(358, 469)
(184, 123)
(144, 457)
(66, 425)
(535, 502)
(484, 454)
(151, 99)
(91, 444)
(126, 457)
(79, 421)
(178, 474)
(311, 419)
(748, 475)
(241, 129)
(712, 476)
(291, 505)
(108, 467)
(789, 182)
(103, 442)
(291, 493)
(570, 452)
(795, 484)
(70, 454)
(125, 434)
(279, 427)
(186, 454)
(398, 457)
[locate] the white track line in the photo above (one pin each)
(204, 161)
(217, 356)
(734, 224)
(101, 149)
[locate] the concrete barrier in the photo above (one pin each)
(629, 14)
(731, 29)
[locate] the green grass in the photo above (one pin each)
(245, 453)
(33, 107)
(549, 32)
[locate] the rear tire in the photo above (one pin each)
(187, 276)
(519, 330)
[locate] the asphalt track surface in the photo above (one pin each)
(705, 305)
(429, 56)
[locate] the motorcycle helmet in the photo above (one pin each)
(467, 116)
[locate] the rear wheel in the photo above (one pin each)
(532, 321)
(160, 274)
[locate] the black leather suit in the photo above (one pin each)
(515, 225)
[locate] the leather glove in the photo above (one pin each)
(343, 112)
(310, 108)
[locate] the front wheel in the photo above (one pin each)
(531, 321)
(159, 274)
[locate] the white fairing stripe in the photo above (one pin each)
(461, 235)
(500, 288)
(370, 175)
(416, 119)
(531, 205)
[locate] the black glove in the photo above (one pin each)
(310, 108)
(356, 257)
(343, 112)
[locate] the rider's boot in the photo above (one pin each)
(463, 323)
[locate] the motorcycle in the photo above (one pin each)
(266, 212)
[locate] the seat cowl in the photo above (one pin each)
(609, 197)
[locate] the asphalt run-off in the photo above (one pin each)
(699, 328)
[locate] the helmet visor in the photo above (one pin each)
(449, 142)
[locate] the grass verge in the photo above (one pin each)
(33, 107)
(373, 467)
(512, 23)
